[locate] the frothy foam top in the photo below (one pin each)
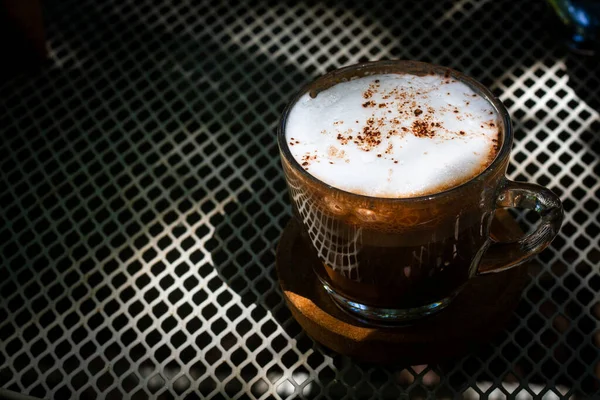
(394, 135)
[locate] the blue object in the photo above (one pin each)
(582, 20)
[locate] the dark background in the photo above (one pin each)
(141, 198)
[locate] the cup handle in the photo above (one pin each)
(504, 255)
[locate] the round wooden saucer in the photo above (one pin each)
(478, 313)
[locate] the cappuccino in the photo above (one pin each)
(400, 134)
(394, 135)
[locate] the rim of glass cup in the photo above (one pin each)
(390, 66)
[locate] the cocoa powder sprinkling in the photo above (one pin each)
(404, 105)
(332, 152)
(308, 158)
(371, 134)
(422, 129)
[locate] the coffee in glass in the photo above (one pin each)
(395, 169)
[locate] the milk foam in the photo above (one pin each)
(394, 135)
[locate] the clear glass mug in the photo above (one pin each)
(386, 260)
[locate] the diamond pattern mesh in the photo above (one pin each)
(142, 199)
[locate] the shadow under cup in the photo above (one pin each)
(387, 260)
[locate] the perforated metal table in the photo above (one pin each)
(142, 199)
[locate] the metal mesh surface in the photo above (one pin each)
(142, 199)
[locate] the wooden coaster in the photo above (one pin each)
(478, 313)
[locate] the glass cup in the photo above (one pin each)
(388, 260)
